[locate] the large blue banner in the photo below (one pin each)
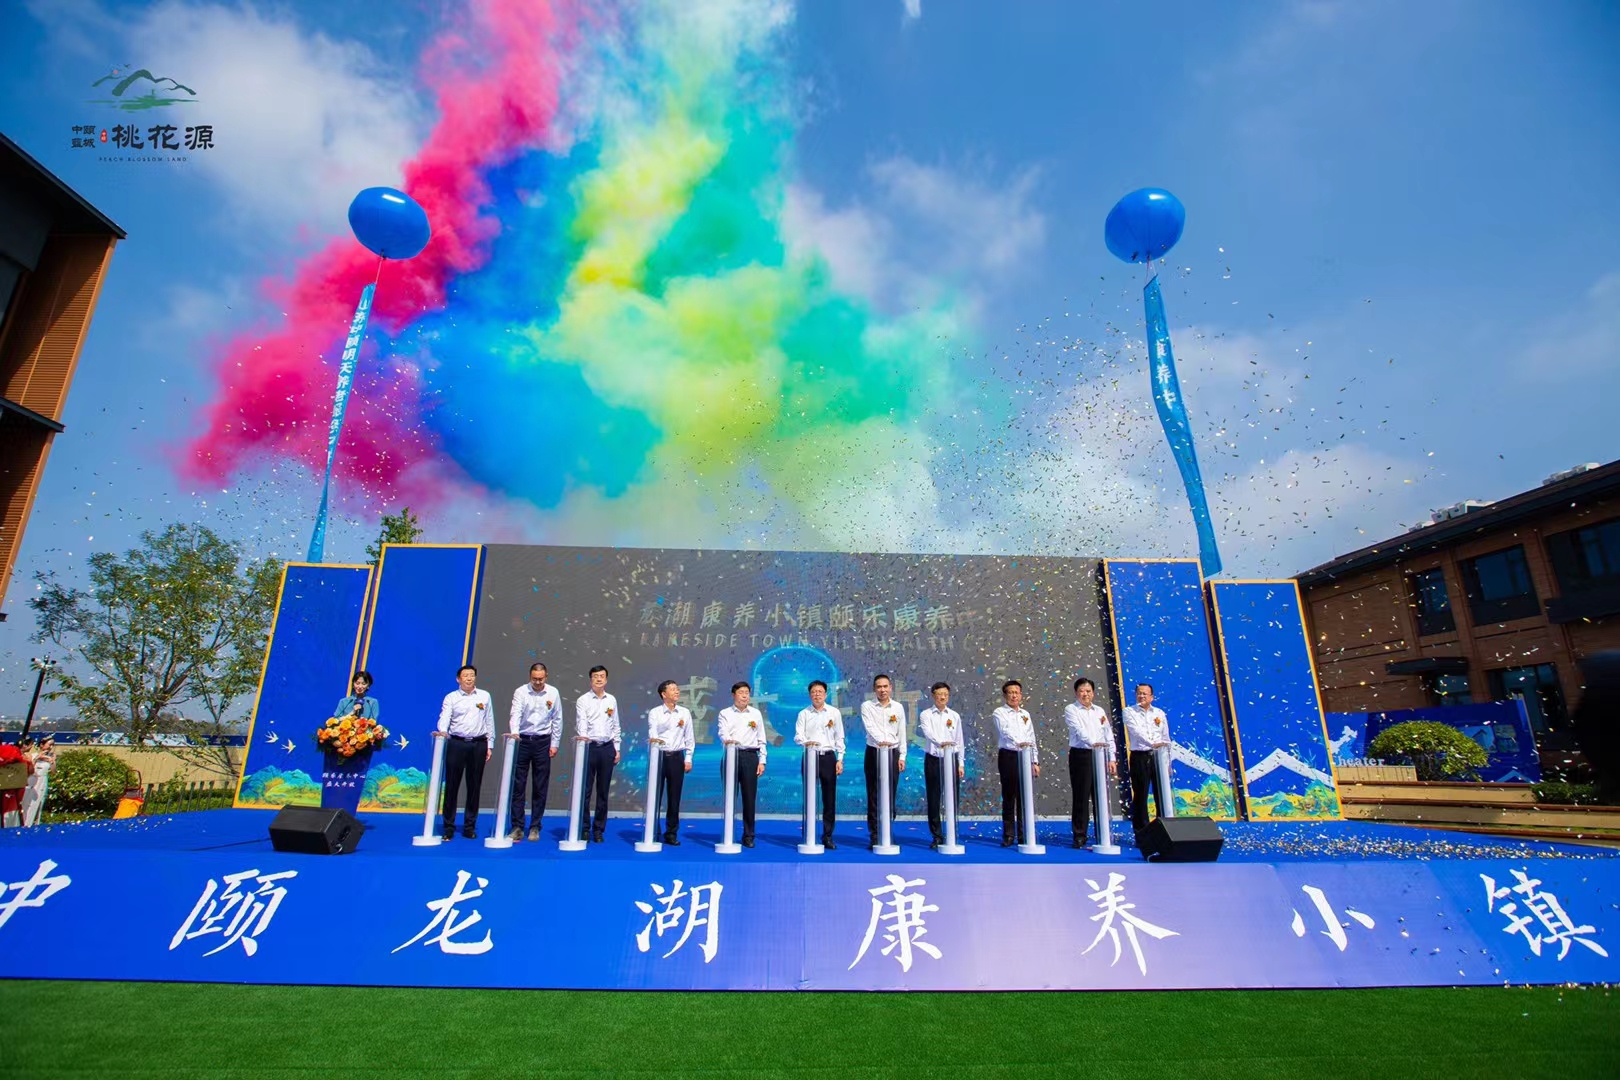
(1276, 706)
(1161, 637)
(462, 918)
(313, 647)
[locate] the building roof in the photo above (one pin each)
(73, 212)
(1583, 487)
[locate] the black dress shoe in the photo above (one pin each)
(672, 840)
(596, 837)
(748, 841)
(1007, 841)
(933, 845)
(827, 842)
(470, 832)
(449, 833)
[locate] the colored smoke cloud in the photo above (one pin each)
(608, 323)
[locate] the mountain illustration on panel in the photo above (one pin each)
(271, 786)
(157, 90)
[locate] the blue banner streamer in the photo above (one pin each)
(1177, 428)
(340, 405)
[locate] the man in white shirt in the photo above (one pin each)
(669, 732)
(1145, 730)
(940, 726)
(596, 721)
(885, 724)
(820, 730)
(1014, 730)
(1089, 732)
(466, 723)
(536, 723)
(743, 725)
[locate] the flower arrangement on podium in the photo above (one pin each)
(348, 742)
(347, 736)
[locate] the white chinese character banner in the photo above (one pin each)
(457, 917)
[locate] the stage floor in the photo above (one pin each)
(389, 835)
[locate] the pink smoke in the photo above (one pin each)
(495, 82)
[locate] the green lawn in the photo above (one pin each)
(175, 1031)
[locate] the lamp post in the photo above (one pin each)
(42, 664)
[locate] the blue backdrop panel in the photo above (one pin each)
(1502, 728)
(262, 917)
(1276, 707)
(421, 631)
(1161, 636)
(313, 642)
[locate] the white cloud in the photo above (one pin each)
(301, 121)
(1584, 339)
(911, 10)
(920, 231)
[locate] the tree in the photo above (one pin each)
(183, 618)
(1437, 751)
(400, 528)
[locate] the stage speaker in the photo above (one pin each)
(1181, 839)
(315, 830)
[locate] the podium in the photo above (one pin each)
(1026, 776)
(947, 774)
(812, 760)
(1105, 824)
(886, 844)
(430, 836)
(1167, 794)
(728, 844)
(649, 841)
(503, 802)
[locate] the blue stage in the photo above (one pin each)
(203, 897)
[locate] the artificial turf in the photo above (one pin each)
(175, 1031)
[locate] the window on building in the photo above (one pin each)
(1498, 586)
(1586, 558)
(1449, 690)
(1432, 603)
(1538, 686)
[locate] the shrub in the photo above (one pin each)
(1558, 793)
(1437, 751)
(88, 781)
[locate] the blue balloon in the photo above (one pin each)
(1144, 225)
(390, 223)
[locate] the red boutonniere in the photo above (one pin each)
(829, 723)
(480, 704)
(680, 723)
(1158, 720)
(610, 710)
(949, 722)
(752, 726)
(893, 719)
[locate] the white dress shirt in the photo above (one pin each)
(1089, 728)
(824, 727)
(1145, 728)
(745, 727)
(885, 725)
(1014, 728)
(940, 726)
(471, 716)
(536, 712)
(672, 726)
(597, 718)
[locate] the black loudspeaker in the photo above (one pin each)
(315, 830)
(1181, 839)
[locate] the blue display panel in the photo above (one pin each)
(421, 631)
(465, 918)
(314, 640)
(1161, 637)
(1281, 734)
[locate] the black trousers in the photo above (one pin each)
(1082, 779)
(827, 776)
(534, 764)
(463, 760)
(1012, 793)
(598, 778)
(934, 780)
(671, 776)
(747, 782)
(872, 789)
(1143, 774)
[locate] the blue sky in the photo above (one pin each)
(1399, 286)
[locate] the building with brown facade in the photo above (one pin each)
(54, 251)
(1488, 601)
